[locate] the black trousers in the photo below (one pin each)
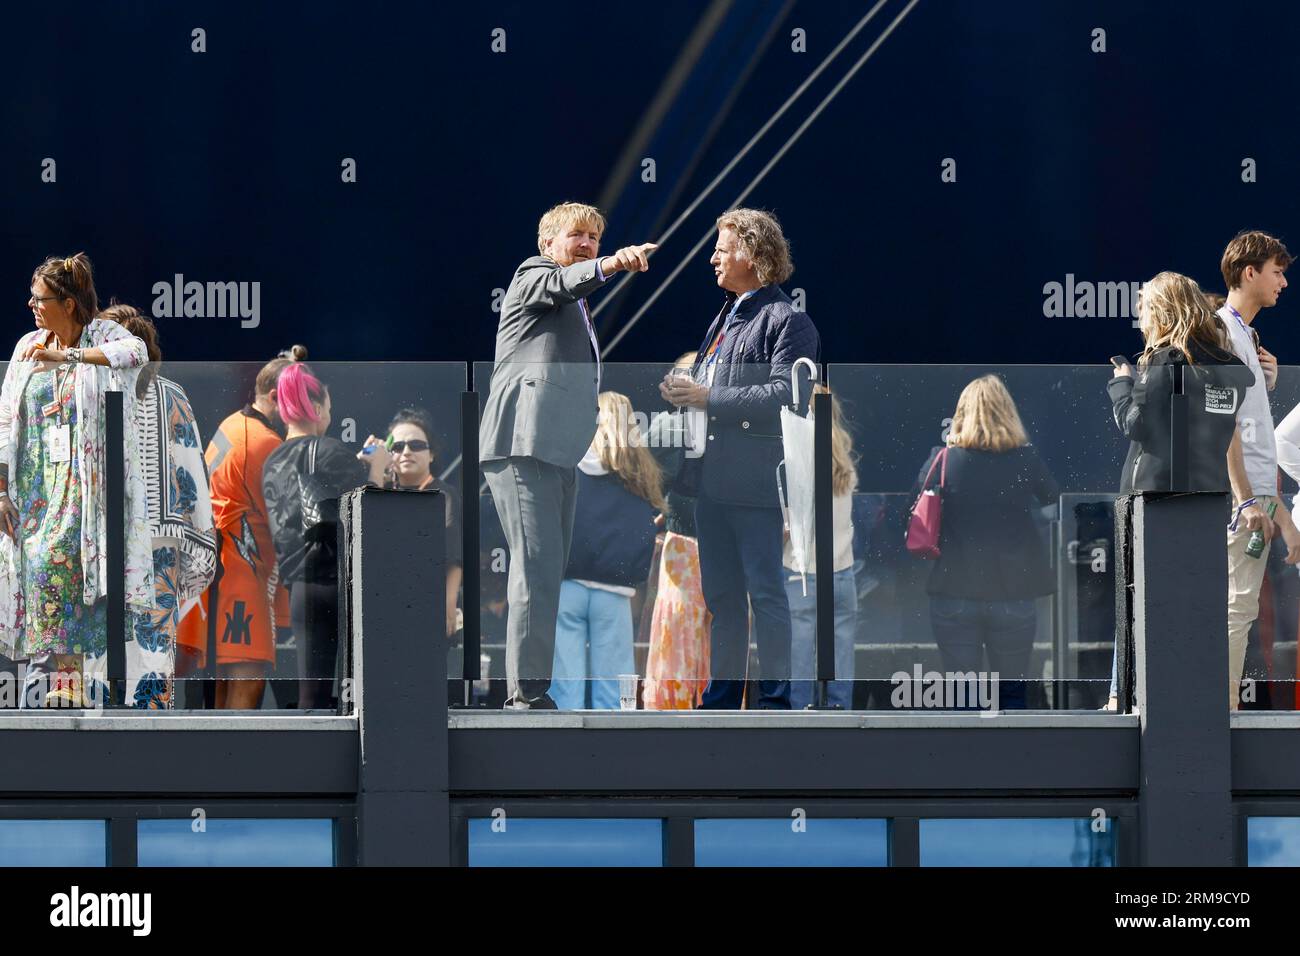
(314, 611)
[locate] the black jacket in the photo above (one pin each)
(1215, 387)
(751, 382)
(991, 549)
(313, 558)
(613, 533)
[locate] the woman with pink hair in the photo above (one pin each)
(302, 481)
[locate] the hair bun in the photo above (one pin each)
(298, 353)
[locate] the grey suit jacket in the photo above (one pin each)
(542, 402)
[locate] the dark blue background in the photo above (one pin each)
(225, 165)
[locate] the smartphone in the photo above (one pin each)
(1119, 361)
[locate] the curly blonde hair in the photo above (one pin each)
(1173, 311)
(763, 242)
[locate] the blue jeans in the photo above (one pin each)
(803, 621)
(593, 646)
(966, 630)
(740, 570)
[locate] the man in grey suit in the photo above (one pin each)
(538, 422)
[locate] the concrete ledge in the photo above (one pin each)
(1265, 720)
(738, 720)
(170, 721)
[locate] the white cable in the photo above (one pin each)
(757, 179)
(753, 141)
(762, 173)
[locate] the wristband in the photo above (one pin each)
(1236, 517)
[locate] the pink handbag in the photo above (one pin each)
(923, 525)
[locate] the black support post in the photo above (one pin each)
(469, 501)
(824, 523)
(115, 491)
(123, 841)
(395, 614)
(1180, 637)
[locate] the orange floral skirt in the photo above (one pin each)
(677, 667)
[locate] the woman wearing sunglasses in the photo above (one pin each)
(411, 469)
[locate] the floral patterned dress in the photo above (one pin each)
(54, 580)
(48, 495)
(184, 542)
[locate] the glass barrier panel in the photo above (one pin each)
(1009, 604)
(227, 605)
(680, 490)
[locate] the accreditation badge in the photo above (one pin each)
(61, 443)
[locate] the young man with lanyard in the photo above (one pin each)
(1254, 266)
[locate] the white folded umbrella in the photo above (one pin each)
(797, 490)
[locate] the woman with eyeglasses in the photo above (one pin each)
(411, 469)
(301, 482)
(53, 505)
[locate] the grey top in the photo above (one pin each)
(1255, 416)
(542, 402)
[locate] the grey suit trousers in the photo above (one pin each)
(535, 501)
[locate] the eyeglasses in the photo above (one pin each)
(415, 444)
(43, 298)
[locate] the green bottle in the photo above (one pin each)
(1255, 546)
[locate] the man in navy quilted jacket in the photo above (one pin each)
(739, 383)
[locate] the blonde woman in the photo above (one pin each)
(619, 491)
(1178, 328)
(803, 602)
(994, 563)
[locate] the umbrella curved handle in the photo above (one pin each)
(794, 381)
